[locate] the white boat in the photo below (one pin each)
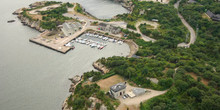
(87, 43)
(120, 42)
(93, 45)
(100, 37)
(111, 40)
(83, 42)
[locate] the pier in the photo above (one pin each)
(56, 44)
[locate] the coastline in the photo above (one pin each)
(35, 24)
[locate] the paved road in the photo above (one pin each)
(192, 32)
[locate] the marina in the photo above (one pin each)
(41, 74)
(93, 40)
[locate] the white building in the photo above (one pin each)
(69, 28)
(117, 90)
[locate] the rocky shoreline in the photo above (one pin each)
(75, 81)
(100, 67)
(126, 4)
(31, 23)
(35, 24)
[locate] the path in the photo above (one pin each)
(160, 1)
(192, 32)
(144, 37)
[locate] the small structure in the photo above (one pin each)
(191, 1)
(109, 28)
(214, 17)
(155, 20)
(69, 28)
(131, 94)
(117, 90)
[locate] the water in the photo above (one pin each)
(34, 77)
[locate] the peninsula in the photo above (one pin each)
(164, 70)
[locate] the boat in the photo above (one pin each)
(87, 43)
(83, 42)
(101, 47)
(93, 45)
(110, 40)
(10, 21)
(98, 46)
(120, 42)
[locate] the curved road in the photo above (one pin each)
(192, 32)
(144, 37)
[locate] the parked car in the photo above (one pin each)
(124, 97)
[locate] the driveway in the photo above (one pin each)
(134, 103)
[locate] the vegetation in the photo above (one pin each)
(78, 8)
(202, 58)
(149, 32)
(80, 99)
(164, 61)
(171, 26)
(51, 18)
(137, 70)
(54, 16)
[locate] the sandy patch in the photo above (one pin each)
(105, 84)
(204, 81)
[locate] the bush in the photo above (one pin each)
(97, 106)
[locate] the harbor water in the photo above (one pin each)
(36, 78)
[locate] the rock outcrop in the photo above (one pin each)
(35, 24)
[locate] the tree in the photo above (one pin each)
(145, 71)
(166, 83)
(157, 107)
(199, 79)
(97, 106)
(181, 85)
(195, 92)
(211, 103)
(170, 72)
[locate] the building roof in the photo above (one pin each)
(131, 94)
(192, 1)
(213, 16)
(102, 24)
(210, 14)
(118, 87)
(216, 17)
(115, 28)
(138, 91)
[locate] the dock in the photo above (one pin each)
(56, 44)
